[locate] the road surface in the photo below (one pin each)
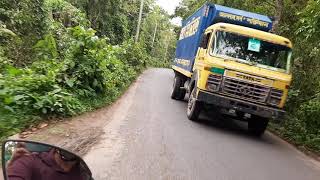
(149, 137)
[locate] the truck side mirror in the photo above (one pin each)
(28, 153)
(205, 40)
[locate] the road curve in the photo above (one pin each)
(149, 137)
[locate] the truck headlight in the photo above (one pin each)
(275, 97)
(213, 83)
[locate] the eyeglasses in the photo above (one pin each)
(66, 156)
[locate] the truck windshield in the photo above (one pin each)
(252, 51)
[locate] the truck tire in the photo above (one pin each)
(194, 106)
(178, 93)
(258, 125)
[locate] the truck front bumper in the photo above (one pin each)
(239, 105)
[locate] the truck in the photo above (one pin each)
(228, 59)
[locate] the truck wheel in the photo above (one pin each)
(194, 106)
(258, 125)
(178, 93)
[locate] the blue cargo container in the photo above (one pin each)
(209, 14)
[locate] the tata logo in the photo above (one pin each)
(249, 78)
(246, 90)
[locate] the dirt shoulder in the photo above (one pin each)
(77, 134)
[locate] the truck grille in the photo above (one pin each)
(213, 83)
(214, 79)
(245, 90)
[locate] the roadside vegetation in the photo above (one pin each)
(60, 58)
(298, 20)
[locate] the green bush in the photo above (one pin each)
(61, 83)
(156, 62)
(309, 112)
(93, 66)
(52, 64)
(134, 55)
(65, 13)
(28, 19)
(24, 88)
(302, 127)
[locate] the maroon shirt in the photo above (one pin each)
(41, 167)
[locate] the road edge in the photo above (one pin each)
(305, 154)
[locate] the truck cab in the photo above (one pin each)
(245, 72)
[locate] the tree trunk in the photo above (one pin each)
(279, 11)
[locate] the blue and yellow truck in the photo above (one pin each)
(229, 59)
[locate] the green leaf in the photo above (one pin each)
(12, 71)
(4, 31)
(3, 92)
(70, 82)
(9, 108)
(8, 100)
(56, 91)
(18, 97)
(95, 83)
(44, 110)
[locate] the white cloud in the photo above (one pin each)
(168, 5)
(177, 21)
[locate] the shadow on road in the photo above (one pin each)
(226, 124)
(214, 120)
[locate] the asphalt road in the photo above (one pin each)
(149, 137)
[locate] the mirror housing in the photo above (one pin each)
(205, 40)
(20, 156)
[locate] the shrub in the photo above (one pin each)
(309, 113)
(134, 55)
(65, 13)
(92, 65)
(57, 66)
(28, 19)
(89, 73)
(25, 89)
(303, 126)
(156, 62)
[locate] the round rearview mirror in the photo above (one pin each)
(29, 160)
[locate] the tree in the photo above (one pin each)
(27, 19)
(164, 38)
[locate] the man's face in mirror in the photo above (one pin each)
(65, 165)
